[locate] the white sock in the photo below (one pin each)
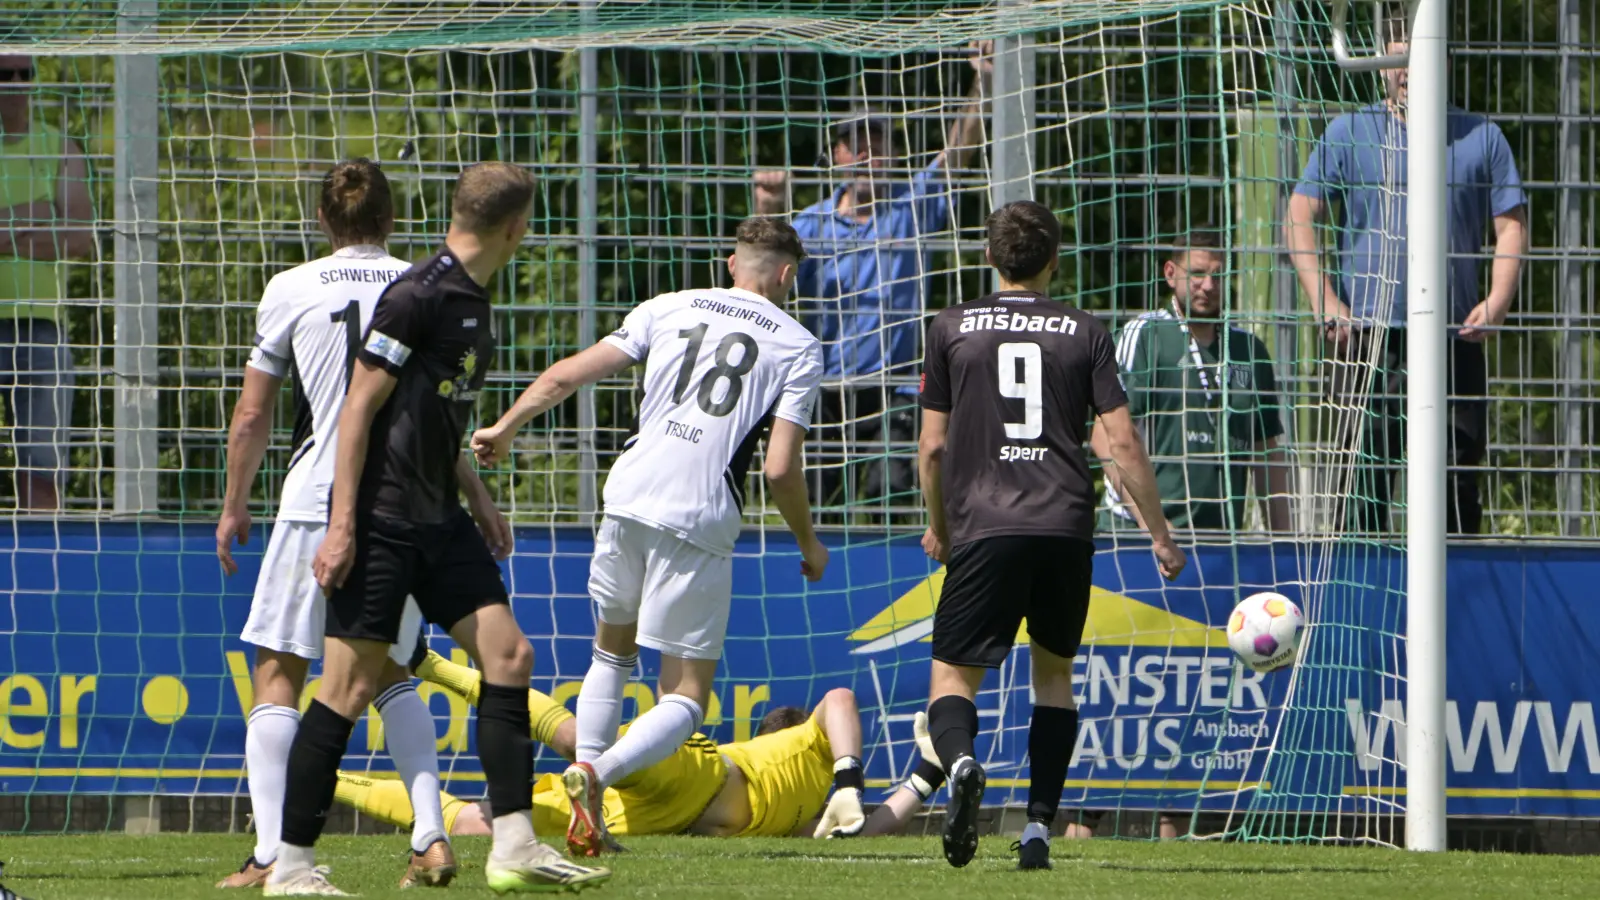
(292, 859)
(1035, 831)
(600, 703)
(269, 732)
(651, 738)
(513, 832)
(409, 733)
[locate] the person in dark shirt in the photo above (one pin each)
(396, 528)
(1009, 384)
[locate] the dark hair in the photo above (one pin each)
(491, 194)
(1207, 239)
(770, 233)
(780, 718)
(867, 119)
(356, 202)
(1023, 237)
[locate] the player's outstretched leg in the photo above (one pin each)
(953, 723)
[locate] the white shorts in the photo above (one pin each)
(288, 613)
(677, 592)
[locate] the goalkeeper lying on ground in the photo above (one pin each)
(775, 784)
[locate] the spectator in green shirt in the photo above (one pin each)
(1204, 397)
(45, 218)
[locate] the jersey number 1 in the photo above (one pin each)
(1028, 388)
(351, 317)
(734, 372)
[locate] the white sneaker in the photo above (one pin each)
(304, 883)
(540, 868)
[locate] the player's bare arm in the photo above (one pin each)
(1300, 236)
(370, 387)
(248, 435)
(556, 384)
(491, 521)
(1510, 244)
(1102, 451)
(930, 459)
(785, 475)
(1139, 481)
(840, 721)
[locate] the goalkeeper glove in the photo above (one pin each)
(844, 817)
(919, 730)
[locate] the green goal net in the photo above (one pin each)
(203, 126)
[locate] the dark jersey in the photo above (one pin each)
(431, 331)
(1020, 376)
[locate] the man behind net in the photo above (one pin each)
(396, 528)
(720, 364)
(309, 325)
(774, 785)
(1009, 384)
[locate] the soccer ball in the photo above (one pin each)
(1264, 631)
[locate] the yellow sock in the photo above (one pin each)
(546, 715)
(458, 679)
(452, 807)
(382, 799)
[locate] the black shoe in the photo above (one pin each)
(961, 817)
(1035, 854)
(418, 653)
(7, 894)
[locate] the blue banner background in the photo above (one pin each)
(121, 671)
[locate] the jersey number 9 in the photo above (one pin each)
(1028, 388)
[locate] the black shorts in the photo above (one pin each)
(992, 584)
(448, 569)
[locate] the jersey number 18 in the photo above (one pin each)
(734, 372)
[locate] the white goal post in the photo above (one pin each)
(1427, 416)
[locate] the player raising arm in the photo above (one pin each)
(309, 323)
(396, 527)
(1009, 384)
(719, 365)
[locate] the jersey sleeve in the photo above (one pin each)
(935, 393)
(1105, 391)
(1133, 363)
(400, 324)
(799, 396)
(273, 352)
(1325, 173)
(633, 336)
(1505, 187)
(1269, 417)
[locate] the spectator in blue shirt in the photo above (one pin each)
(1358, 171)
(863, 293)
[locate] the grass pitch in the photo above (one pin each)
(177, 867)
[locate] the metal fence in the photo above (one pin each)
(1134, 131)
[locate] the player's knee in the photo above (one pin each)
(508, 662)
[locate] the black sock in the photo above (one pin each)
(313, 773)
(1051, 738)
(953, 725)
(505, 748)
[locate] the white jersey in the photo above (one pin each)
(310, 323)
(718, 363)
